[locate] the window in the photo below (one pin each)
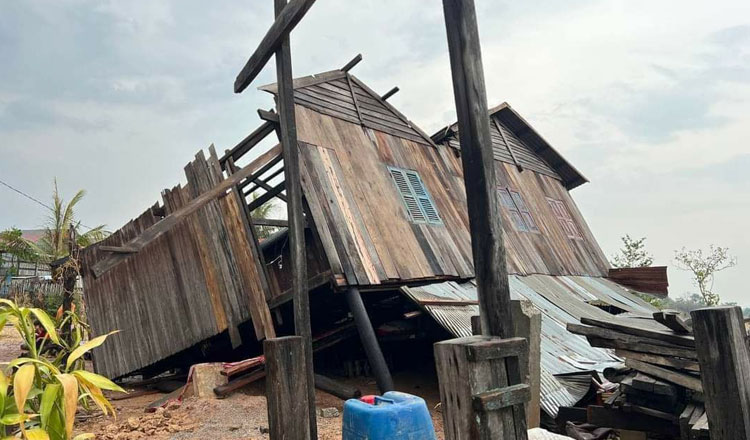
(563, 216)
(419, 205)
(519, 213)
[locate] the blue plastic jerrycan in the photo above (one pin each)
(394, 416)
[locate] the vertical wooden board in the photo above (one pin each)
(317, 217)
(252, 275)
(352, 218)
(215, 238)
(194, 298)
(207, 263)
(317, 195)
(365, 188)
(249, 270)
(317, 167)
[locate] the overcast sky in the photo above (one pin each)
(649, 100)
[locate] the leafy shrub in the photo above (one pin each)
(39, 395)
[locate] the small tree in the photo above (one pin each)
(633, 253)
(703, 266)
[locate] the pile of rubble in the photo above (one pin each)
(166, 420)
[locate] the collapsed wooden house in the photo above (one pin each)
(385, 207)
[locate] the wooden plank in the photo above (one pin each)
(721, 340)
(507, 145)
(659, 350)
(272, 41)
(167, 223)
(684, 419)
(675, 377)
(666, 361)
(631, 328)
(354, 97)
(247, 247)
(265, 197)
(612, 418)
(279, 223)
(502, 398)
(673, 321)
(248, 143)
(486, 350)
(118, 249)
(295, 215)
(288, 405)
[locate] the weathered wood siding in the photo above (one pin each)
(364, 228)
(193, 283)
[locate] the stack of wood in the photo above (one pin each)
(660, 387)
(247, 371)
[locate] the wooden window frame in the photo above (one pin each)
(564, 219)
(512, 200)
(418, 203)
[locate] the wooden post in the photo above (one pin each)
(720, 339)
(286, 393)
(298, 262)
(488, 248)
(479, 168)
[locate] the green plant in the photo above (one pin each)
(39, 396)
(633, 253)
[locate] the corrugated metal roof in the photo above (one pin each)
(561, 300)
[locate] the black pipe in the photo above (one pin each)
(369, 341)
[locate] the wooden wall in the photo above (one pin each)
(198, 280)
(364, 228)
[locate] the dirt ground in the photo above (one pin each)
(239, 416)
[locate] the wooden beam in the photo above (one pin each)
(682, 379)
(275, 191)
(507, 144)
(354, 98)
(168, 222)
(271, 222)
(290, 150)
(118, 249)
(268, 115)
(350, 65)
(658, 335)
(265, 180)
(248, 143)
(272, 41)
(263, 184)
(721, 342)
(389, 93)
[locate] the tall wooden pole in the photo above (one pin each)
(288, 134)
(479, 168)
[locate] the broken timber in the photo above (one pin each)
(279, 31)
(168, 222)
